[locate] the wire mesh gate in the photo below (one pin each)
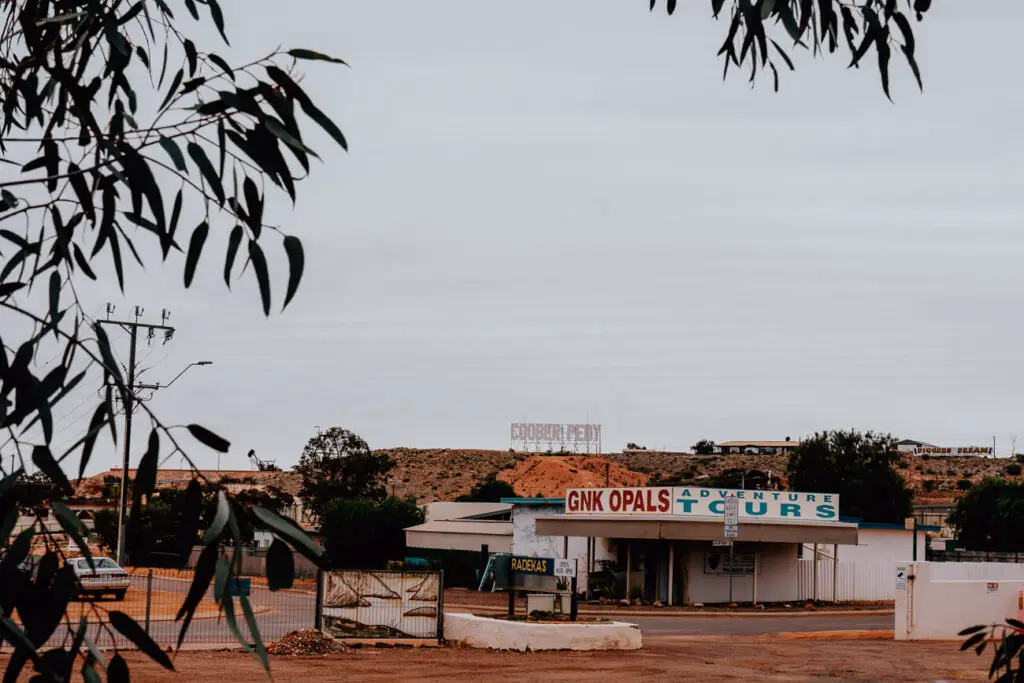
(155, 596)
(383, 604)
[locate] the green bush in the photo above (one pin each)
(964, 484)
(1013, 469)
(930, 485)
(363, 534)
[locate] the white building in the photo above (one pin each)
(662, 547)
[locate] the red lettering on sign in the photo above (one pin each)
(664, 500)
(598, 503)
(627, 498)
(638, 502)
(615, 500)
(573, 501)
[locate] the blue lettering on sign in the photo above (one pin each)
(826, 511)
(762, 508)
(758, 495)
(790, 510)
(717, 507)
(687, 505)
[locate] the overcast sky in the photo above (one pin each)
(558, 211)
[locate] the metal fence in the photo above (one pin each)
(352, 604)
(155, 596)
(383, 604)
(974, 556)
(858, 581)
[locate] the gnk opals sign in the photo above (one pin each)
(694, 501)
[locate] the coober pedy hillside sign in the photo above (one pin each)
(698, 502)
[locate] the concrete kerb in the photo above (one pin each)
(880, 634)
(470, 630)
(491, 609)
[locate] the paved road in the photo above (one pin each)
(755, 626)
(285, 611)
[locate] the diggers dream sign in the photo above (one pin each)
(697, 502)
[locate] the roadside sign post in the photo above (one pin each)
(731, 531)
(566, 569)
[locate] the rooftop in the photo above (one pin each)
(288, 482)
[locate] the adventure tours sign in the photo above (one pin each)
(698, 502)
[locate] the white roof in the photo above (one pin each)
(450, 511)
(467, 526)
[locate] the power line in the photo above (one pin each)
(132, 327)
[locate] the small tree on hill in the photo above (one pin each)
(490, 490)
(860, 467)
(739, 478)
(338, 463)
(704, 447)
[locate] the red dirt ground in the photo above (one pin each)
(664, 659)
(551, 476)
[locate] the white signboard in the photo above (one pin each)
(565, 568)
(701, 503)
(732, 511)
(722, 544)
(720, 563)
(953, 450)
(901, 578)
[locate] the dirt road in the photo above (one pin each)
(669, 658)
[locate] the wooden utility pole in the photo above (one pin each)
(132, 327)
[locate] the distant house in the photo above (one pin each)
(908, 445)
(757, 447)
(90, 493)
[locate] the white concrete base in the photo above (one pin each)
(498, 634)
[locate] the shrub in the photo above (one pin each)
(964, 484)
(929, 485)
(1013, 469)
(902, 465)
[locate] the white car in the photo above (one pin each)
(108, 577)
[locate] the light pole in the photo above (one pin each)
(122, 513)
(164, 386)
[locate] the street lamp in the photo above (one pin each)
(122, 513)
(164, 386)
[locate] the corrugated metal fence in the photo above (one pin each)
(858, 581)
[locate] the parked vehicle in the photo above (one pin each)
(108, 577)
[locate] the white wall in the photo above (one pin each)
(884, 545)
(887, 545)
(776, 581)
(525, 540)
(930, 608)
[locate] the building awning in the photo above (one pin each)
(696, 529)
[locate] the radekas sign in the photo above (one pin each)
(694, 501)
